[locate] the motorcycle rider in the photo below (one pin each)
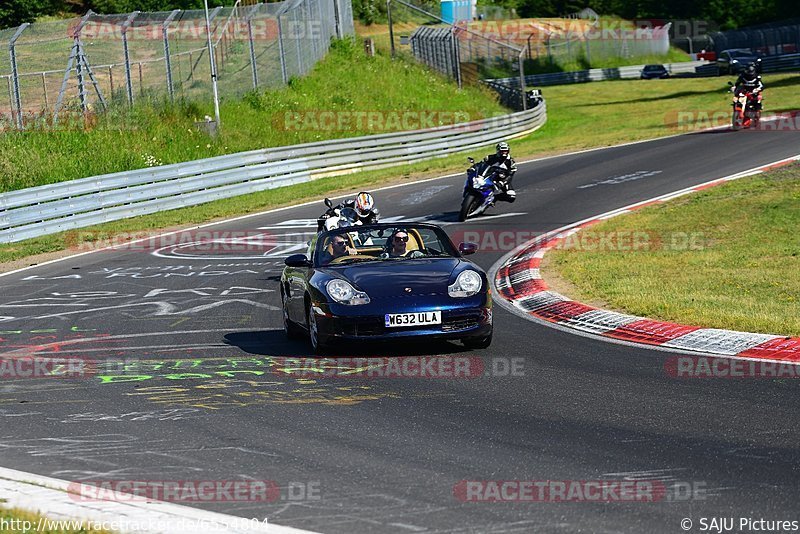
(750, 82)
(503, 155)
(365, 208)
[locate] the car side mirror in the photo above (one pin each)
(297, 260)
(467, 248)
(328, 202)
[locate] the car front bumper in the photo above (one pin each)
(457, 323)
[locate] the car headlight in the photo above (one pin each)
(344, 293)
(734, 61)
(467, 283)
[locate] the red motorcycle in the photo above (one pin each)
(746, 109)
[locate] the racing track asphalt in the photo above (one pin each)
(385, 454)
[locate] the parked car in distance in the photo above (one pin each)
(735, 60)
(650, 72)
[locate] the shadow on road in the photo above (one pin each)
(275, 343)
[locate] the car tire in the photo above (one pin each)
(477, 342)
(290, 328)
(319, 347)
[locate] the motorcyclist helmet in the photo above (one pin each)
(503, 149)
(749, 73)
(364, 204)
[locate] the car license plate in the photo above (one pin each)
(413, 319)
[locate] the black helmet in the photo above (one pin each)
(750, 73)
(502, 149)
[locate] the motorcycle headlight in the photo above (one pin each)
(478, 182)
(467, 283)
(344, 293)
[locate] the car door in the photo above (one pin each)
(296, 284)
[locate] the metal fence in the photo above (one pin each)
(631, 72)
(87, 64)
(767, 40)
(43, 210)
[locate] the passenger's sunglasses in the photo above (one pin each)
(401, 238)
(340, 243)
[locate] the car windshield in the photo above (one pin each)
(653, 67)
(741, 53)
(383, 243)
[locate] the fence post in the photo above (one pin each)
(588, 53)
(15, 74)
(297, 43)
(521, 61)
(164, 30)
(337, 13)
(281, 51)
(307, 26)
(456, 58)
(128, 80)
(44, 90)
(249, 20)
(79, 72)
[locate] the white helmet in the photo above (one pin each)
(364, 204)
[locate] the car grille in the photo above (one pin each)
(459, 323)
(374, 326)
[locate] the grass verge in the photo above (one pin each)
(727, 257)
(13, 521)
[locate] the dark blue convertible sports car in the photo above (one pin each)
(383, 282)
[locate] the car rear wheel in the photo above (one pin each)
(477, 342)
(292, 330)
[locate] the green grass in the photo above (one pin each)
(24, 522)
(740, 269)
(579, 116)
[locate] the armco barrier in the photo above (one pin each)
(596, 75)
(84, 202)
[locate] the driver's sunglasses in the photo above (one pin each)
(340, 243)
(403, 238)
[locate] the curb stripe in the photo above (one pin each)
(519, 281)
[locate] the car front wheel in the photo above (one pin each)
(313, 333)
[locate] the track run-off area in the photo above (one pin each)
(189, 380)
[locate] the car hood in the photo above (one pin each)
(391, 278)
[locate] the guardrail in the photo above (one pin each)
(84, 202)
(780, 63)
(596, 75)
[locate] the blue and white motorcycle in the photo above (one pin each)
(483, 188)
